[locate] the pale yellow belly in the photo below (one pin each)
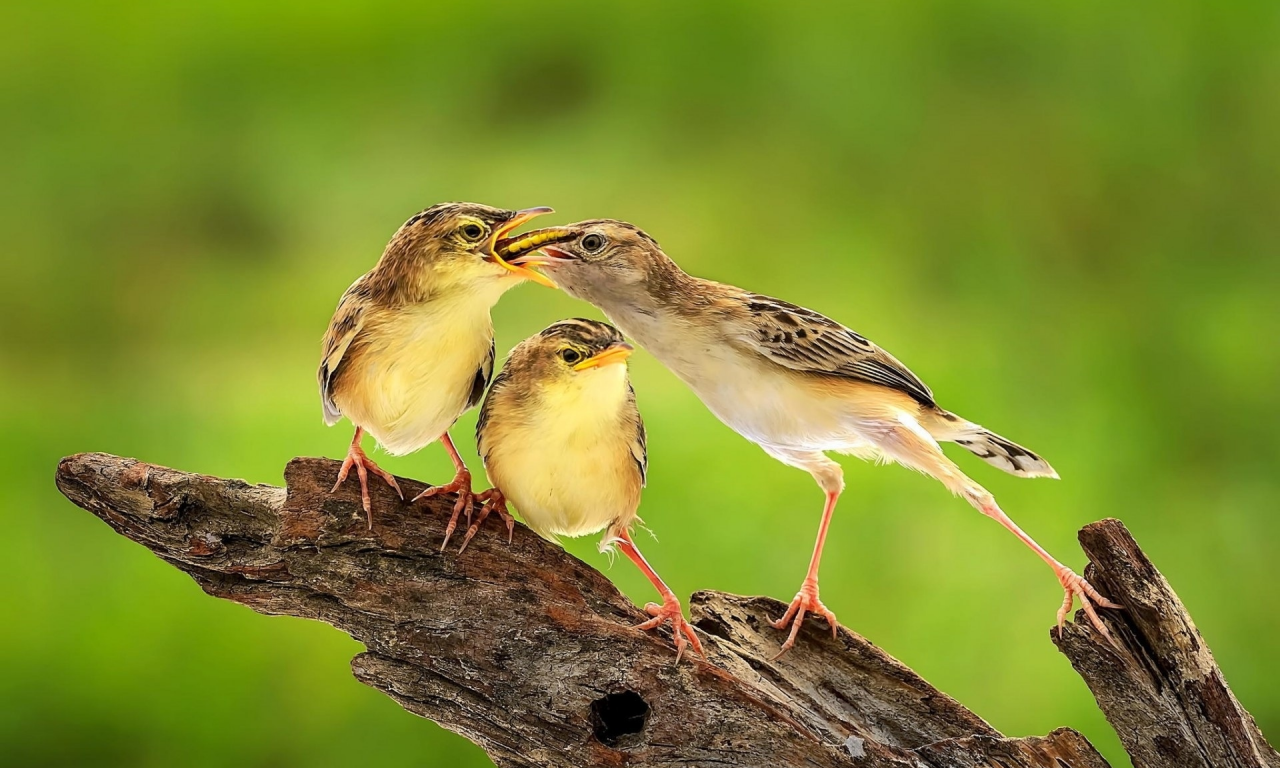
(569, 472)
(569, 495)
(412, 380)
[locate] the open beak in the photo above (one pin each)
(499, 240)
(618, 353)
(533, 249)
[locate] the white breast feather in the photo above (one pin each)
(760, 400)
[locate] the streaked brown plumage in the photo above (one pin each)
(562, 438)
(787, 378)
(410, 346)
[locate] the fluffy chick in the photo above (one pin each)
(562, 438)
(410, 346)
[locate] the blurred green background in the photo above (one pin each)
(1065, 217)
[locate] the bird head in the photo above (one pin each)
(572, 355)
(453, 244)
(592, 260)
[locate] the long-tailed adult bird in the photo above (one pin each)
(410, 346)
(561, 437)
(787, 378)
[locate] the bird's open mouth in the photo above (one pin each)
(533, 249)
(499, 244)
(618, 353)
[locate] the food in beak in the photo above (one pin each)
(527, 249)
(618, 353)
(499, 240)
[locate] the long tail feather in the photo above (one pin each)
(987, 445)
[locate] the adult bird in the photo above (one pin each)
(561, 438)
(410, 346)
(787, 378)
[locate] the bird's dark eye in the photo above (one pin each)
(570, 355)
(593, 242)
(472, 231)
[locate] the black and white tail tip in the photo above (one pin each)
(1005, 454)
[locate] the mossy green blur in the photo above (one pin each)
(1062, 216)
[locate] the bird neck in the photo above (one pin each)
(407, 280)
(653, 310)
(397, 278)
(662, 286)
(668, 284)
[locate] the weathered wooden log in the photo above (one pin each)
(1161, 690)
(532, 654)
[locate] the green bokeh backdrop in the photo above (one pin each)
(1065, 217)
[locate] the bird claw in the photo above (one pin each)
(681, 630)
(461, 485)
(493, 500)
(806, 601)
(356, 457)
(1075, 586)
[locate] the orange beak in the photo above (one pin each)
(509, 226)
(618, 353)
(534, 248)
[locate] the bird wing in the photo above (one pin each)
(639, 447)
(348, 320)
(499, 384)
(804, 340)
(483, 375)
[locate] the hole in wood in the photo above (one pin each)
(617, 715)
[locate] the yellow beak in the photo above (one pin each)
(618, 353)
(499, 232)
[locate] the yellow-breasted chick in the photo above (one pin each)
(410, 346)
(787, 378)
(562, 439)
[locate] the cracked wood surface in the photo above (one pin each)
(532, 654)
(1161, 691)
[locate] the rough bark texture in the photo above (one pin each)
(1163, 693)
(531, 653)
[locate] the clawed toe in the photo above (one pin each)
(1074, 586)
(357, 458)
(461, 485)
(463, 504)
(493, 500)
(806, 601)
(681, 631)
